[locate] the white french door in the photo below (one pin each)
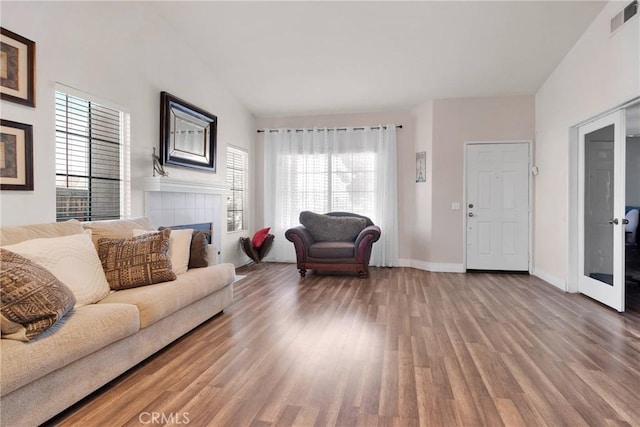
(497, 226)
(601, 215)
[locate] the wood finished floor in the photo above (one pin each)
(403, 348)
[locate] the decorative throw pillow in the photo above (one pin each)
(73, 260)
(136, 261)
(258, 238)
(179, 248)
(32, 299)
(198, 250)
(332, 228)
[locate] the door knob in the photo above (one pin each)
(613, 221)
(470, 205)
(470, 213)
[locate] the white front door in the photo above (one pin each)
(497, 183)
(601, 213)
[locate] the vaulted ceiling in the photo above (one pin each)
(296, 58)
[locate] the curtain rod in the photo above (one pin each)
(336, 129)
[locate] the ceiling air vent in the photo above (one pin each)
(626, 14)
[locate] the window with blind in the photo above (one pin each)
(89, 160)
(237, 167)
(331, 182)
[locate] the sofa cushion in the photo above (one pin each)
(179, 247)
(158, 301)
(117, 228)
(136, 261)
(332, 250)
(33, 299)
(83, 331)
(332, 228)
(73, 260)
(13, 235)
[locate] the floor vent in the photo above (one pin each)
(623, 16)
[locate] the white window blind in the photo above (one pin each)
(331, 182)
(237, 167)
(89, 165)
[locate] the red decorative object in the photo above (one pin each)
(258, 238)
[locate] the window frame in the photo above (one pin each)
(124, 149)
(244, 153)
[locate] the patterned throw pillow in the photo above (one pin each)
(179, 247)
(136, 261)
(32, 298)
(332, 228)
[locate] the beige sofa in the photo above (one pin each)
(95, 343)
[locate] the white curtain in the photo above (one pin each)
(324, 170)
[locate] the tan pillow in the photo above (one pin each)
(116, 228)
(33, 299)
(179, 245)
(136, 261)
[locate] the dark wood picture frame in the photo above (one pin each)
(187, 134)
(18, 80)
(16, 156)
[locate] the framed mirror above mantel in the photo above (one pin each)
(187, 134)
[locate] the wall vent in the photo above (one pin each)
(623, 16)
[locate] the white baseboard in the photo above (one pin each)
(432, 266)
(549, 278)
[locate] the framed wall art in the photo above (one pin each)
(17, 69)
(421, 166)
(16, 156)
(187, 134)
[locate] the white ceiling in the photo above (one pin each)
(298, 58)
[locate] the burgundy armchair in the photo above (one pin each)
(330, 252)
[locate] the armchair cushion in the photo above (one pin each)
(331, 250)
(332, 228)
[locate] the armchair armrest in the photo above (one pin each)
(364, 241)
(371, 232)
(301, 239)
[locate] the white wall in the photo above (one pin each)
(423, 191)
(599, 73)
(443, 126)
(122, 52)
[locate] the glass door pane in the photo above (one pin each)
(598, 204)
(601, 203)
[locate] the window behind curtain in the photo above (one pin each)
(237, 167)
(331, 182)
(89, 160)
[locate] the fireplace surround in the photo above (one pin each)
(170, 202)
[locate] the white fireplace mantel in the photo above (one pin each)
(166, 184)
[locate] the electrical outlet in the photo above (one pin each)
(455, 206)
